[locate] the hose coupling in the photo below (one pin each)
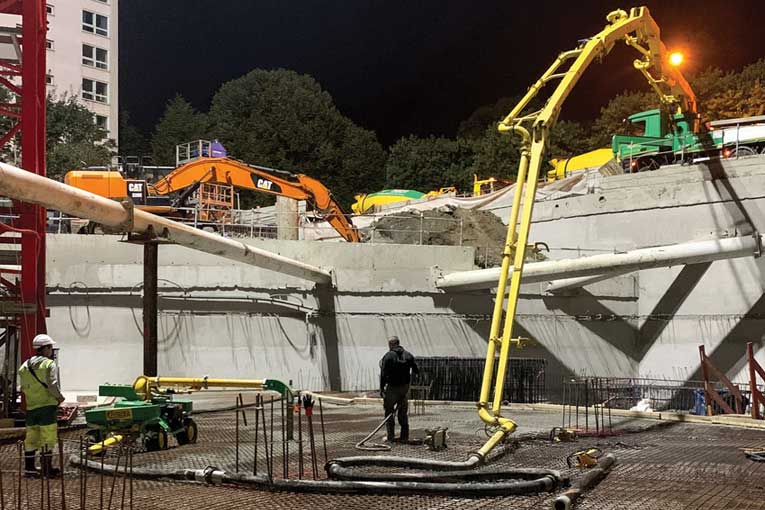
(209, 475)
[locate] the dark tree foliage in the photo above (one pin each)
(74, 140)
(132, 141)
(180, 123)
(427, 164)
(282, 119)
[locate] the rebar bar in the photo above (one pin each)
(81, 452)
(101, 490)
(2, 491)
(43, 471)
(21, 460)
(285, 465)
(236, 437)
(271, 405)
(257, 428)
(300, 438)
(61, 468)
(114, 477)
(124, 478)
(269, 465)
(131, 480)
(323, 432)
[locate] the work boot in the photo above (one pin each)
(30, 471)
(390, 427)
(46, 465)
(404, 433)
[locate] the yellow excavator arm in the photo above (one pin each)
(266, 180)
(637, 29)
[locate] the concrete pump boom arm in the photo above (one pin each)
(266, 180)
(637, 29)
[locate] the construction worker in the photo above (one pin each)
(38, 377)
(396, 368)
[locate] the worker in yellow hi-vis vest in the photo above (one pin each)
(38, 377)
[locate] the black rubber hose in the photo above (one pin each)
(590, 479)
(472, 462)
(342, 473)
(211, 475)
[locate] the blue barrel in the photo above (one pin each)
(698, 403)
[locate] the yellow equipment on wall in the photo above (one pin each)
(371, 202)
(368, 202)
(638, 30)
(566, 167)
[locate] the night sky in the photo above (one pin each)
(401, 67)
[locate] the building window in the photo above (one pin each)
(49, 79)
(95, 23)
(102, 122)
(49, 44)
(95, 57)
(50, 9)
(94, 90)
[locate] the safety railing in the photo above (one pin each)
(734, 404)
(755, 369)
(186, 152)
(417, 229)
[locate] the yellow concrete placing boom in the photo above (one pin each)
(637, 29)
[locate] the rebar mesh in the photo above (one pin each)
(659, 467)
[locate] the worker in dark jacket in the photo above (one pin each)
(396, 368)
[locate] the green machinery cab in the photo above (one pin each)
(151, 422)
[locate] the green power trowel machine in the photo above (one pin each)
(147, 412)
(151, 422)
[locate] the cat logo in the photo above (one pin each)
(135, 187)
(264, 184)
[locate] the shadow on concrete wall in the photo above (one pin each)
(730, 354)
(666, 307)
(598, 318)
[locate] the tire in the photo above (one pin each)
(95, 228)
(742, 151)
(189, 434)
(155, 440)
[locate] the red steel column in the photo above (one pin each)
(32, 217)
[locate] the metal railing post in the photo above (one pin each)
(422, 226)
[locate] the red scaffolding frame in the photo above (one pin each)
(27, 116)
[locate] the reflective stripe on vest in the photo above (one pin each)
(36, 394)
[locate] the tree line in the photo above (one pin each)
(282, 119)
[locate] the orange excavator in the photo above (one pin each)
(212, 180)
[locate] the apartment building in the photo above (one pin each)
(83, 44)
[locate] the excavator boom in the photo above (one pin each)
(267, 180)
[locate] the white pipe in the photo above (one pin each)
(645, 258)
(28, 187)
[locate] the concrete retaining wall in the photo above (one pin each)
(225, 319)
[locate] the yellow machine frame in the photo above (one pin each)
(637, 29)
